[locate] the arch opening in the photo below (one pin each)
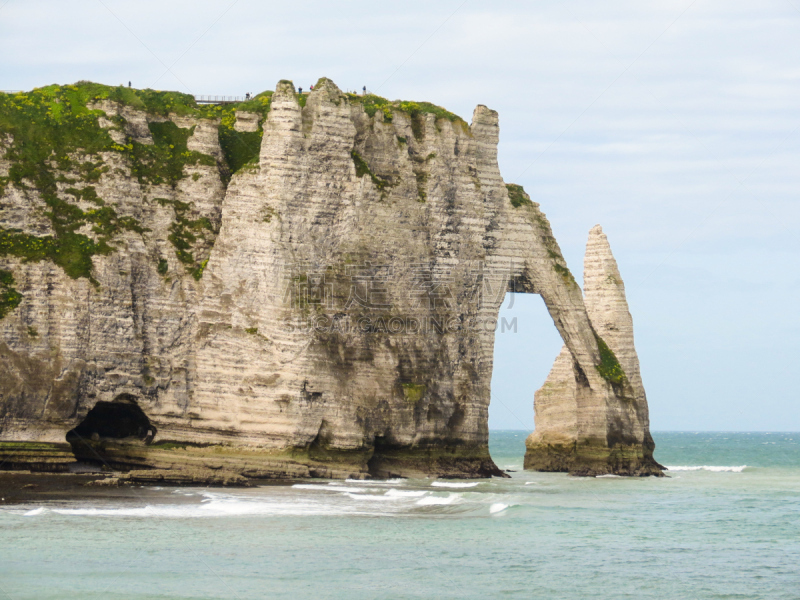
(524, 352)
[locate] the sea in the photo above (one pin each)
(725, 524)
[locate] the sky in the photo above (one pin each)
(673, 124)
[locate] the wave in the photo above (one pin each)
(215, 508)
(709, 468)
(376, 481)
(371, 497)
(328, 488)
(437, 500)
(447, 484)
(405, 493)
(497, 507)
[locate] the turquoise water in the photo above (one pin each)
(728, 530)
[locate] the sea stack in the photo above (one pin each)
(619, 441)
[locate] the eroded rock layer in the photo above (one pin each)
(308, 287)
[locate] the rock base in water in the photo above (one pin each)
(590, 460)
(182, 463)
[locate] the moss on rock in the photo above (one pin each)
(517, 195)
(609, 367)
(9, 297)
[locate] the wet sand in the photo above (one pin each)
(24, 487)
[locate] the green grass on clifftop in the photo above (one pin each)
(54, 144)
(241, 147)
(49, 129)
(55, 147)
(416, 111)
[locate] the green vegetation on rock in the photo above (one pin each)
(9, 297)
(519, 198)
(565, 273)
(55, 145)
(150, 101)
(241, 148)
(609, 367)
(422, 180)
(57, 139)
(372, 104)
(166, 160)
(362, 168)
(413, 392)
(185, 232)
(517, 195)
(415, 110)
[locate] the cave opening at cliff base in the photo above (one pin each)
(119, 419)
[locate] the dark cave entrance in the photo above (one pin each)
(120, 419)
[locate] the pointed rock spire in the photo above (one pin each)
(554, 444)
(604, 295)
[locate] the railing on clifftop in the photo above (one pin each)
(219, 99)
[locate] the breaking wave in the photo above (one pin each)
(709, 468)
(447, 484)
(437, 500)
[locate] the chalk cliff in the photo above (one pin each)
(560, 440)
(299, 285)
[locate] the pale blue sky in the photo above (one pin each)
(674, 124)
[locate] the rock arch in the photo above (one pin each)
(356, 264)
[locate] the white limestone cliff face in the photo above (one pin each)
(343, 324)
(555, 445)
(71, 343)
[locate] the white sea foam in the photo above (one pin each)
(405, 493)
(709, 468)
(447, 484)
(497, 507)
(607, 475)
(329, 488)
(371, 497)
(377, 481)
(34, 512)
(437, 500)
(216, 508)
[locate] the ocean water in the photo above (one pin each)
(725, 524)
